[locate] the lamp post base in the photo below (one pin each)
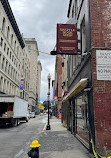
(48, 127)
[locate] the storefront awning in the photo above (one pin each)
(77, 88)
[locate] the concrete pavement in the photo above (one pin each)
(58, 142)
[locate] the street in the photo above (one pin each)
(15, 140)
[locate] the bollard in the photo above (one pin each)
(34, 152)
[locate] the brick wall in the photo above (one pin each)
(100, 15)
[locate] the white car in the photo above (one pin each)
(32, 114)
(28, 115)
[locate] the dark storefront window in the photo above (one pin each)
(82, 119)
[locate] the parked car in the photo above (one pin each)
(28, 116)
(32, 114)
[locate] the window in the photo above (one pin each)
(83, 37)
(14, 61)
(4, 46)
(76, 9)
(17, 50)
(12, 39)
(10, 55)
(15, 46)
(4, 86)
(16, 64)
(7, 51)
(8, 87)
(12, 58)
(3, 24)
(16, 76)
(3, 61)
(1, 41)
(81, 114)
(11, 72)
(1, 82)
(6, 66)
(8, 32)
(9, 69)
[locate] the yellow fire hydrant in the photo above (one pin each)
(34, 152)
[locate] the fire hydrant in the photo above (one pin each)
(34, 152)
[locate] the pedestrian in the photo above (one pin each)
(50, 114)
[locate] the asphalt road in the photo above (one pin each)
(14, 140)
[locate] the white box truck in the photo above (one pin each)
(13, 109)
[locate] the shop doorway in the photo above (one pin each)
(82, 117)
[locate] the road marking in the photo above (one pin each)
(19, 153)
(45, 127)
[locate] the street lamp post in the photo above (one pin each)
(48, 94)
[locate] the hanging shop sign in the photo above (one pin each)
(22, 84)
(103, 64)
(67, 39)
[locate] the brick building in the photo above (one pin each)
(57, 85)
(88, 102)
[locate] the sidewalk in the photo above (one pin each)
(60, 143)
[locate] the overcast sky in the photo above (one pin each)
(38, 19)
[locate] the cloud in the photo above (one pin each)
(38, 19)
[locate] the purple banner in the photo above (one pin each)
(22, 84)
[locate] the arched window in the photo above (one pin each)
(3, 24)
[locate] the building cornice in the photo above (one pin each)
(69, 8)
(12, 20)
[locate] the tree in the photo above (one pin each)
(45, 104)
(41, 107)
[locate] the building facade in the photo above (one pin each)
(11, 49)
(18, 60)
(39, 69)
(64, 86)
(25, 74)
(32, 49)
(87, 104)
